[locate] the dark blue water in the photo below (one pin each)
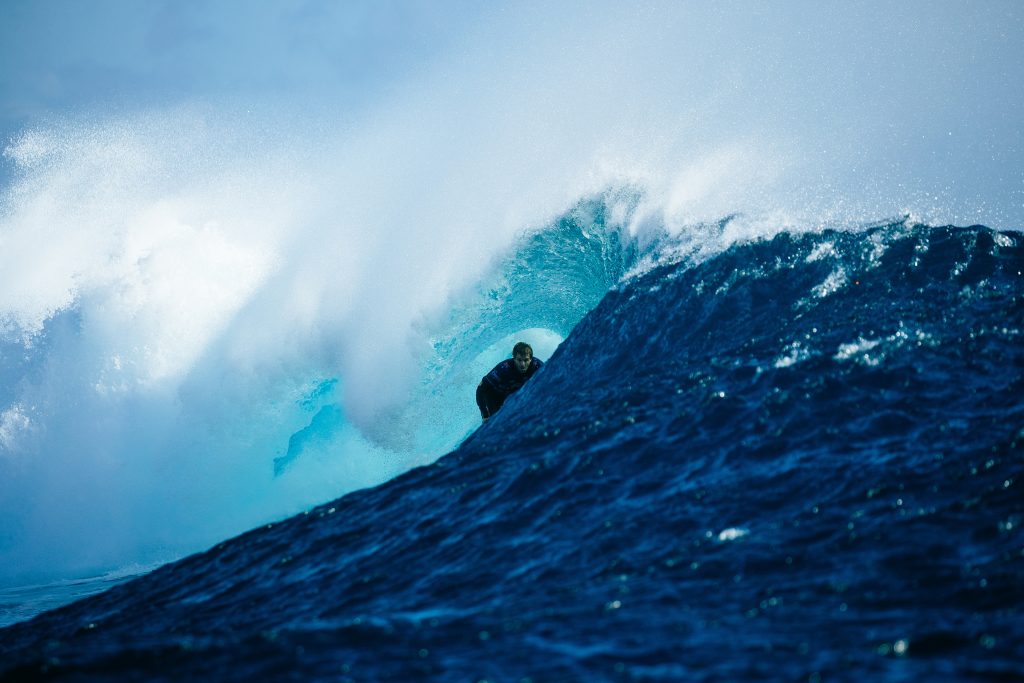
(800, 459)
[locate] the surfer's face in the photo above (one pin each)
(522, 361)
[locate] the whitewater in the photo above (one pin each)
(219, 312)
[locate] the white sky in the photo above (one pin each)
(927, 95)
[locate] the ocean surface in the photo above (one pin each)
(796, 457)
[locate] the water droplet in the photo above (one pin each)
(732, 534)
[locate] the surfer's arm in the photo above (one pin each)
(488, 400)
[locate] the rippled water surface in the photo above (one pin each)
(800, 459)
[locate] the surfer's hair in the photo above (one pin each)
(521, 348)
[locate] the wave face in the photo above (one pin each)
(798, 459)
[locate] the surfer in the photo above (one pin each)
(506, 378)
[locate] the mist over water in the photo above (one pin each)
(185, 286)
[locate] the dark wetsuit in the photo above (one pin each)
(500, 383)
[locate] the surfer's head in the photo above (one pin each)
(522, 356)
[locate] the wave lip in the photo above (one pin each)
(661, 487)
